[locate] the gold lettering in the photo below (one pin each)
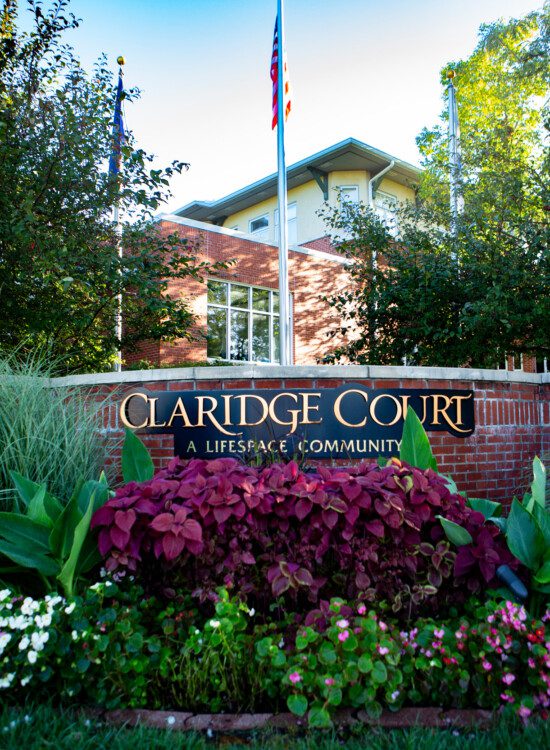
(306, 407)
(443, 411)
(153, 414)
(179, 411)
(124, 419)
(338, 413)
(292, 412)
(243, 399)
(202, 413)
(459, 400)
(398, 411)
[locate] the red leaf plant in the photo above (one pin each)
(364, 532)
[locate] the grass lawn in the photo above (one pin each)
(41, 727)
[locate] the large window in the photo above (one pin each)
(291, 222)
(243, 322)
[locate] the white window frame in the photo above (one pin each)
(262, 232)
(292, 223)
(344, 200)
(228, 307)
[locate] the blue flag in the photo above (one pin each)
(119, 135)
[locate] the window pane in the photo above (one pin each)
(275, 302)
(216, 333)
(217, 292)
(256, 225)
(276, 341)
(239, 335)
(260, 338)
(260, 299)
(239, 296)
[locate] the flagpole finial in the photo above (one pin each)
(120, 60)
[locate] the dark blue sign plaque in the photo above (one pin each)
(351, 421)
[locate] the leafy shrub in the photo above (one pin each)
(366, 532)
(495, 656)
(50, 435)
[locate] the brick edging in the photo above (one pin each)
(402, 719)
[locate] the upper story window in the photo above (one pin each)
(386, 208)
(292, 222)
(349, 194)
(259, 226)
(243, 323)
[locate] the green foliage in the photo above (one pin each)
(415, 446)
(137, 464)
(60, 268)
(429, 296)
(50, 435)
(455, 533)
(50, 542)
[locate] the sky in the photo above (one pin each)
(367, 69)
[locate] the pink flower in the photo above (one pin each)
(343, 636)
(361, 609)
(531, 662)
(508, 679)
(524, 712)
(329, 681)
(486, 665)
(439, 633)
(382, 625)
(294, 677)
(383, 650)
(342, 624)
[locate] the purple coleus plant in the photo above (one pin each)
(366, 532)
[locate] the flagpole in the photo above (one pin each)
(456, 200)
(117, 367)
(284, 317)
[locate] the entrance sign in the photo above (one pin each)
(351, 421)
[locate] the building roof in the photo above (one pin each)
(347, 155)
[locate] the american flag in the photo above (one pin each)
(275, 78)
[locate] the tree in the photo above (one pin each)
(60, 272)
(435, 297)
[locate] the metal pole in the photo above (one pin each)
(456, 200)
(284, 318)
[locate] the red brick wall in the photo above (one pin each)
(512, 424)
(255, 264)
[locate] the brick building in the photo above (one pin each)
(237, 309)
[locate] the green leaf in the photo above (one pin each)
(542, 517)
(98, 489)
(36, 510)
(134, 643)
(27, 490)
(415, 447)
(28, 558)
(318, 716)
(297, 704)
(89, 555)
(538, 485)
(61, 537)
(524, 537)
(24, 532)
(379, 672)
(364, 663)
(488, 508)
(137, 464)
(455, 533)
(67, 574)
(543, 574)
(451, 484)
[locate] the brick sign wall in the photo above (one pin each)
(512, 411)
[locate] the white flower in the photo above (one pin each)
(6, 681)
(29, 606)
(70, 608)
(24, 643)
(38, 640)
(4, 594)
(43, 621)
(214, 623)
(32, 656)
(170, 720)
(5, 638)
(26, 680)
(74, 635)
(252, 612)
(281, 643)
